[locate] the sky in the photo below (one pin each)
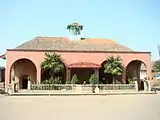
(133, 23)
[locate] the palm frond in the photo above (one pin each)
(113, 65)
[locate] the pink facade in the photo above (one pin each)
(73, 57)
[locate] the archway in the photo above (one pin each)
(45, 75)
(134, 73)
(24, 81)
(21, 70)
(106, 78)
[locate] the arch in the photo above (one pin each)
(137, 60)
(134, 72)
(106, 78)
(46, 76)
(22, 67)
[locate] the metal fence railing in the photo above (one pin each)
(57, 87)
(82, 88)
(117, 87)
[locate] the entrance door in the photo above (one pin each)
(24, 83)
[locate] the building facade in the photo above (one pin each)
(82, 57)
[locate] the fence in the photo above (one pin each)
(117, 87)
(57, 87)
(81, 88)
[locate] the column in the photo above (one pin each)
(149, 74)
(138, 76)
(96, 71)
(12, 74)
(136, 86)
(12, 79)
(124, 76)
(68, 74)
(7, 75)
(38, 75)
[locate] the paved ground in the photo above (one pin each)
(113, 107)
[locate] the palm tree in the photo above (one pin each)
(53, 63)
(113, 66)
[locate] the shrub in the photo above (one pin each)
(155, 83)
(68, 82)
(75, 79)
(56, 80)
(93, 79)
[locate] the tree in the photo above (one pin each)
(53, 63)
(156, 66)
(75, 79)
(93, 79)
(113, 66)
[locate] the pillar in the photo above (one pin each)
(12, 78)
(124, 76)
(138, 75)
(96, 71)
(149, 74)
(68, 74)
(29, 85)
(38, 75)
(136, 86)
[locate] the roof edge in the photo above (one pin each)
(29, 50)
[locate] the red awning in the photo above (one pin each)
(84, 65)
(3, 56)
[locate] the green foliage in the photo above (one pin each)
(113, 65)
(75, 79)
(156, 66)
(93, 79)
(155, 83)
(68, 82)
(53, 63)
(75, 28)
(131, 82)
(56, 80)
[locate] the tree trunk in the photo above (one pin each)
(114, 80)
(51, 74)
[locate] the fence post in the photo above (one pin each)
(96, 89)
(145, 86)
(149, 85)
(29, 85)
(136, 85)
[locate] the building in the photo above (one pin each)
(83, 57)
(2, 74)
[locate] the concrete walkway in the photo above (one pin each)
(112, 107)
